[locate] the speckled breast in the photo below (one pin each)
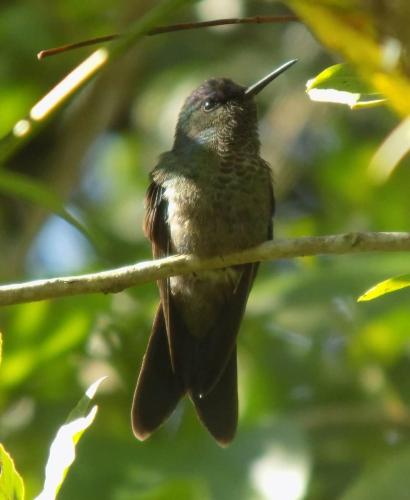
(226, 212)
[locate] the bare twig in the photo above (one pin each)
(77, 45)
(116, 280)
(168, 29)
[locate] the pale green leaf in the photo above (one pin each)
(83, 405)
(62, 450)
(359, 47)
(11, 483)
(386, 286)
(341, 84)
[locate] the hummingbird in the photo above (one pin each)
(210, 195)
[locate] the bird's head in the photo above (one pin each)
(220, 114)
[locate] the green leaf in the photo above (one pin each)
(83, 405)
(11, 483)
(62, 450)
(386, 286)
(341, 84)
(34, 191)
(340, 33)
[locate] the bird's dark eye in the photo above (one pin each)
(209, 105)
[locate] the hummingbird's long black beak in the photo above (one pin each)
(261, 84)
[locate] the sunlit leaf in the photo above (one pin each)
(351, 34)
(11, 483)
(341, 84)
(386, 286)
(62, 450)
(82, 406)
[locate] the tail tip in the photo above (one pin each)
(224, 441)
(141, 433)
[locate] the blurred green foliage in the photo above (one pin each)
(324, 391)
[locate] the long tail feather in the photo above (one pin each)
(218, 410)
(158, 388)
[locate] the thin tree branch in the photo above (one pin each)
(168, 29)
(116, 280)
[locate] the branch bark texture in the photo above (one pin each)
(116, 280)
